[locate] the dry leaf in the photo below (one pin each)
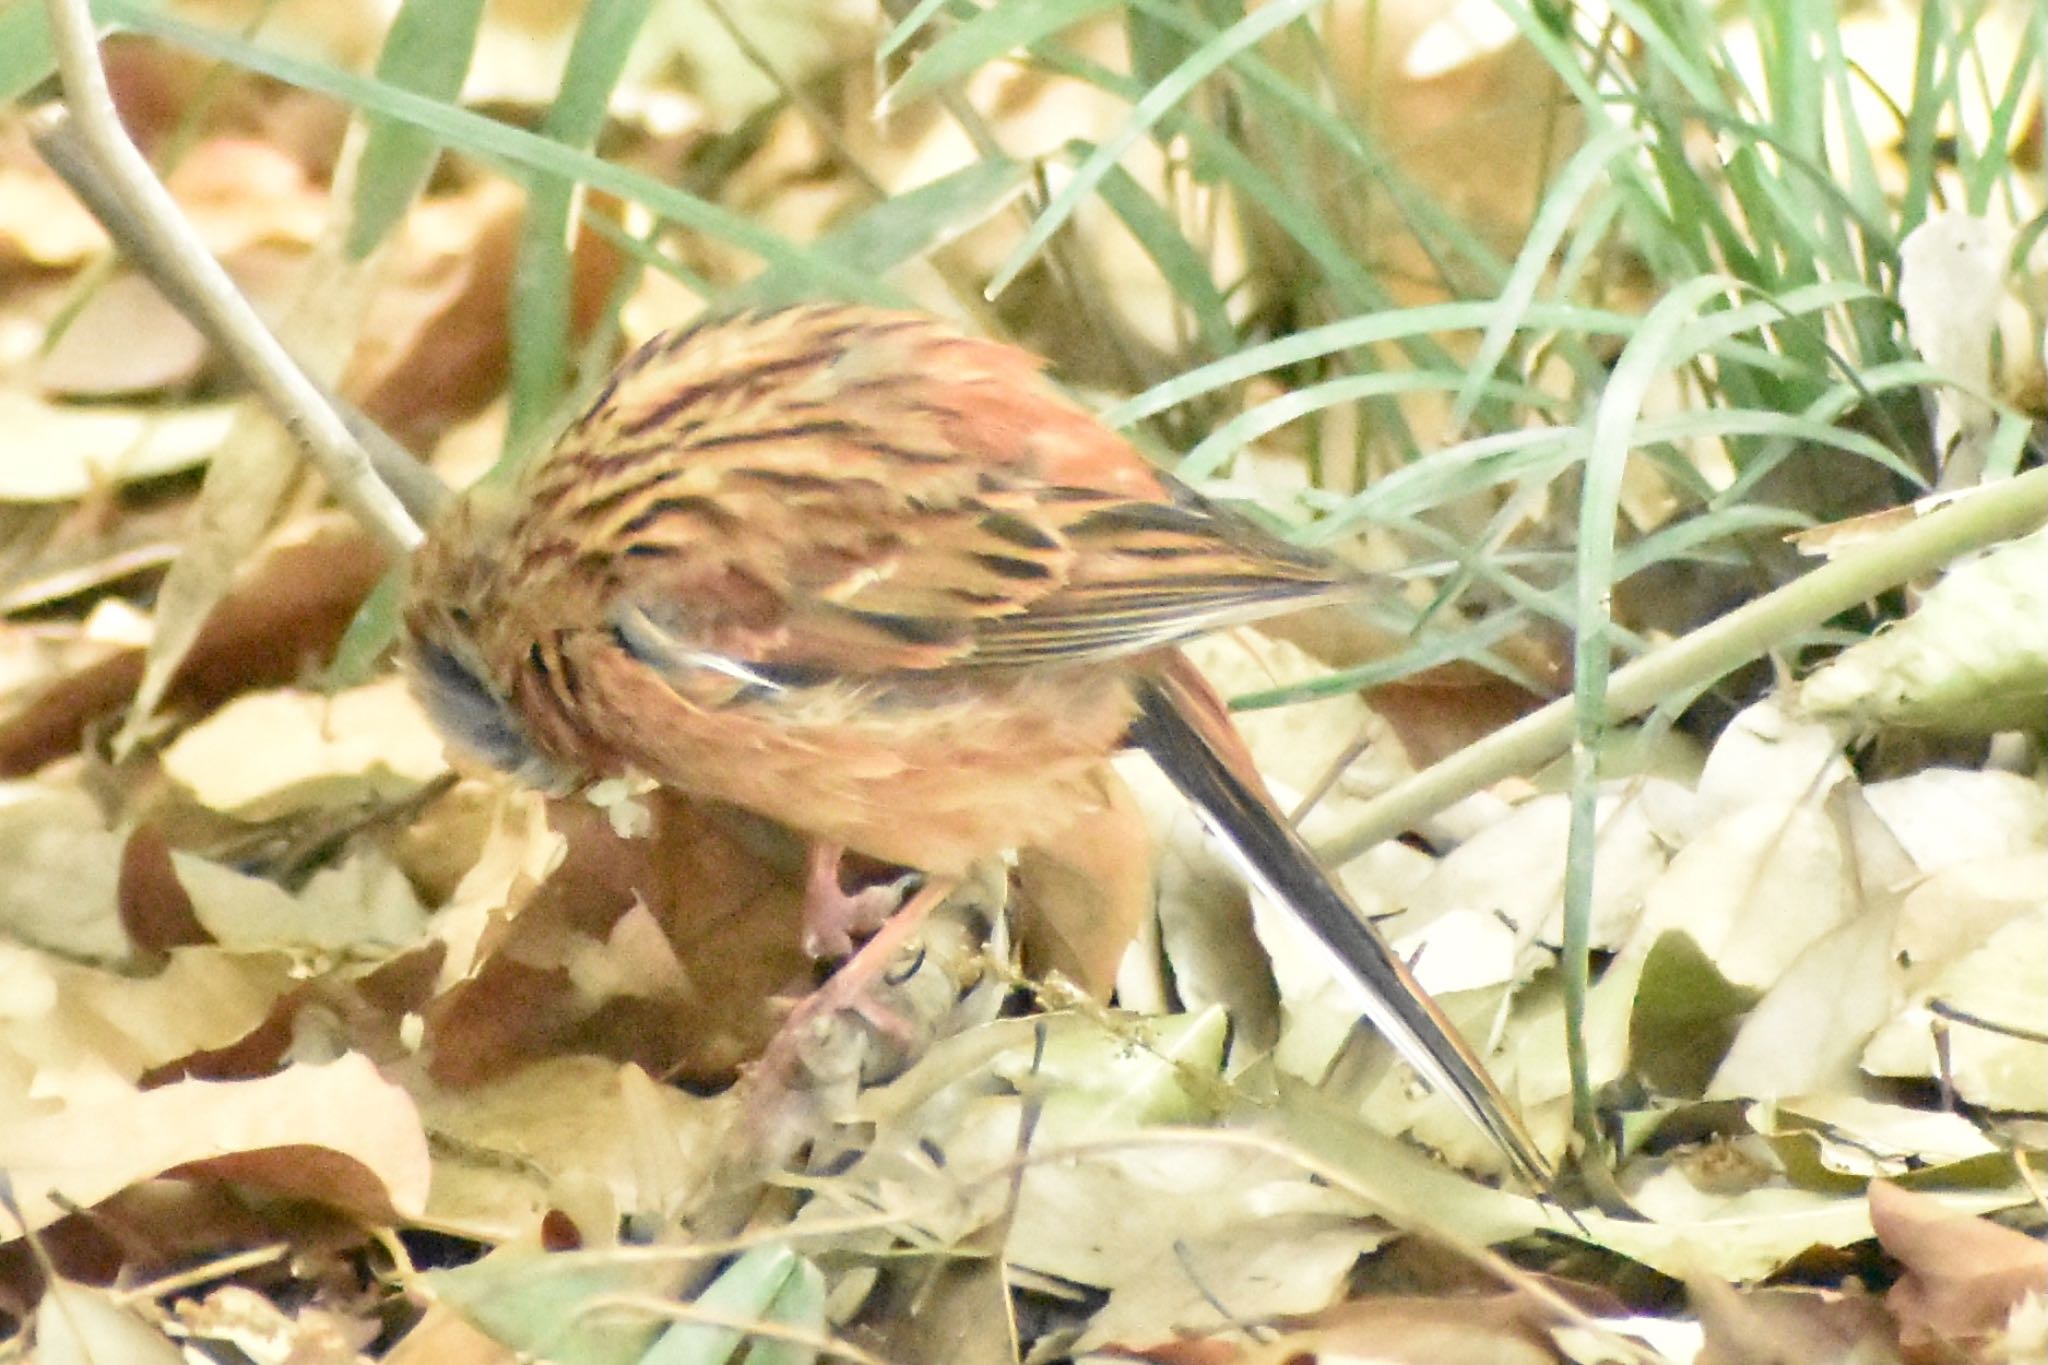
(576, 1134)
(338, 1133)
(270, 754)
(1972, 659)
(1080, 896)
(62, 453)
(1995, 1057)
(1952, 271)
(79, 1325)
(285, 611)
(1793, 1326)
(1964, 1276)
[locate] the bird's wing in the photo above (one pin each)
(853, 492)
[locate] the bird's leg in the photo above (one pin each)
(849, 988)
(833, 917)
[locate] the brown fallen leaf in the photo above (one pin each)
(284, 612)
(1080, 897)
(433, 349)
(570, 969)
(1790, 1326)
(339, 1133)
(433, 343)
(1964, 1276)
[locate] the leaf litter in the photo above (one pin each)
(278, 977)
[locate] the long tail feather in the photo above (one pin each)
(1210, 767)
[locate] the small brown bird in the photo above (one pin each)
(880, 582)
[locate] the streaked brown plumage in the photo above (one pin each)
(875, 580)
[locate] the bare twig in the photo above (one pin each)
(59, 143)
(86, 144)
(1920, 546)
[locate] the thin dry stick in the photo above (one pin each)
(121, 180)
(2001, 512)
(63, 150)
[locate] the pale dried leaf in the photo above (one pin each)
(1767, 754)
(579, 1134)
(1747, 1236)
(1755, 888)
(77, 1324)
(1805, 1035)
(1971, 660)
(128, 339)
(270, 754)
(63, 453)
(62, 873)
(376, 1154)
(2001, 983)
(79, 1033)
(1951, 281)
(362, 904)
(519, 853)
(1952, 815)
(1853, 1136)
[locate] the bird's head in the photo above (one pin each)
(454, 596)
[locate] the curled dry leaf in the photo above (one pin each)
(1977, 1023)
(284, 612)
(339, 1133)
(1964, 1276)
(269, 754)
(1972, 659)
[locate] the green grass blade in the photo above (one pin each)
(996, 32)
(1667, 332)
(1179, 263)
(541, 279)
(26, 60)
(908, 27)
(1217, 449)
(899, 229)
(499, 142)
(1144, 115)
(1588, 167)
(1347, 334)
(426, 51)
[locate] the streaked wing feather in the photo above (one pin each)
(788, 491)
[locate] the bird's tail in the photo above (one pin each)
(1182, 724)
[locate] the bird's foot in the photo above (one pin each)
(833, 916)
(850, 989)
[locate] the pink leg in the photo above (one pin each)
(832, 917)
(848, 988)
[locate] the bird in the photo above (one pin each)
(882, 582)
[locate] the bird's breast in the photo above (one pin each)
(926, 773)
